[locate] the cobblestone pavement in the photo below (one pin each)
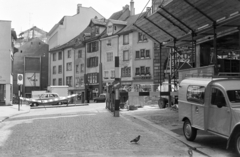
(82, 133)
(167, 120)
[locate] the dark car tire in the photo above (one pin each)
(189, 132)
(237, 143)
(34, 104)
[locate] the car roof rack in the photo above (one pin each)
(228, 75)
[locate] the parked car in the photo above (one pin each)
(48, 96)
(100, 98)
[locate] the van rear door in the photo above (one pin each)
(195, 96)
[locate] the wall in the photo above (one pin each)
(5, 51)
(80, 75)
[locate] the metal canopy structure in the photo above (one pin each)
(187, 20)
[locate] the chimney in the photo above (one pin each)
(132, 9)
(148, 11)
(78, 8)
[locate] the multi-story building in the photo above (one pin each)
(93, 57)
(60, 36)
(109, 44)
(7, 50)
(31, 60)
(68, 64)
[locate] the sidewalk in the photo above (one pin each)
(9, 111)
(166, 120)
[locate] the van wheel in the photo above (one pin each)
(237, 143)
(189, 132)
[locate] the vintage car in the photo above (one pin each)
(212, 105)
(49, 98)
(100, 98)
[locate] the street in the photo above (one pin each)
(82, 131)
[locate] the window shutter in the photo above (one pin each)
(96, 61)
(96, 45)
(137, 54)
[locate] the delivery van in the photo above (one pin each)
(212, 105)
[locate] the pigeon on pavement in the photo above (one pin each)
(136, 139)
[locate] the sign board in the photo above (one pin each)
(117, 83)
(20, 79)
(32, 79)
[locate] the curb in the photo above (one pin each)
(57, 106)
(12, 115)
(191, 145)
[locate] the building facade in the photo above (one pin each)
(31, 60)
(7, 38)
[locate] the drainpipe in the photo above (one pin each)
(100, 68)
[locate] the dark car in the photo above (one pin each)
(100, 98)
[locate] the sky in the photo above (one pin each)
(46, 13)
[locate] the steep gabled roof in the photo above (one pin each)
(75, 42)
(130, 21)
(121, 15)
(34, 28)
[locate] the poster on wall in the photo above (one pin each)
(32, 79)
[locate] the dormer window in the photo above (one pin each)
(97, 30)
(115, 28)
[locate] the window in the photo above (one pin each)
(92, 47)
(218, 97)
(69, 81)
(126, 72)
(109, 56)
(60, 69)
(79, 53)
(54, 69)
(148, 53)
(82, 67)
(92, 77)
(137, 71)
(141, 37)
(105, 74)
(113, 74)
(54, 56)
(77, 68)
(109, 42)
(126, 55)
(97, 30)
(142, 70)
(148, 70)
(234, 96)
(59, 55)
(69, 54)
(54, 81)
(137, 54)
(69, 66)
(125, 39)
(115, 28)
(195, 94)
(92, 62)
(60, 81)
(142, 53)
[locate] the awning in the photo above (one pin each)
(187, 20)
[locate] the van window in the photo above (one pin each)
(217, 97)
(195, 93)
(234, 96)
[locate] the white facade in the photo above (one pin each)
(6, 60)
(70, 26)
